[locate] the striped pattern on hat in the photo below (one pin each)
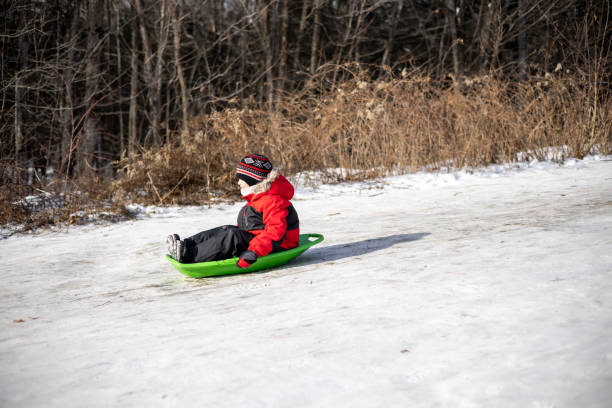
(253, 168)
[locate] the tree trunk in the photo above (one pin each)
(132, 119)
(498, 32)
(162, 38)
(350, 10)
(18, 118)
(397, 10)
(314, 48)
(354, 50)
(522, 39)
(451, 16)
(300, 36)
(67, 103)
(441, 49)
(242, 76)
(21, 157)
(282, 69)
(489, 33)
(176, 31)
(90, 134)
(22, 51)
(153, 131)
(117, 32)
(265, 43)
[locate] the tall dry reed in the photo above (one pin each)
(371, 128)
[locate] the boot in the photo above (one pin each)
(180, 250)
(172, 242)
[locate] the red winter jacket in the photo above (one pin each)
(270, 216)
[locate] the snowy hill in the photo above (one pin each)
(491, 289)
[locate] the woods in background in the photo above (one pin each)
(85, 83)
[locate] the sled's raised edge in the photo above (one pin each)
(228, 266)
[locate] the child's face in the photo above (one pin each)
(242, 183)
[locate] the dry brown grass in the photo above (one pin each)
(58, 203)
(372, 128)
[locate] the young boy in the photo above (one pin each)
(267, 223)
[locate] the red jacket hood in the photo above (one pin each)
(275, 184)
(282, 187)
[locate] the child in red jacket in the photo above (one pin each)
(267, 223)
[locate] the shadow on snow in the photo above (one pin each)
(335, 252)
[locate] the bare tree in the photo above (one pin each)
(66, 101)
(522, 38)
(22, 53)
(267, 49)
(354, 49)
(133, 112)
(300, 34)
(176, 31)
(395, 14)
(450, 11)
(315, 35)
(162, 38)
(91, 132)
(153, 74)
(116, 29)
(490, 33)
(282, 68)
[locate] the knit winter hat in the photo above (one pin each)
(253, 168)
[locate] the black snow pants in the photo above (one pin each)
(216, 244)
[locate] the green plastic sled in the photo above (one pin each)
(228, 266)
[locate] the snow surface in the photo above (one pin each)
(489, 288)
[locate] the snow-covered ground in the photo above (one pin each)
(490, 289)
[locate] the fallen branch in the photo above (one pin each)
(174, 188)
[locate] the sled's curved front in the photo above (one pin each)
(228, 266)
